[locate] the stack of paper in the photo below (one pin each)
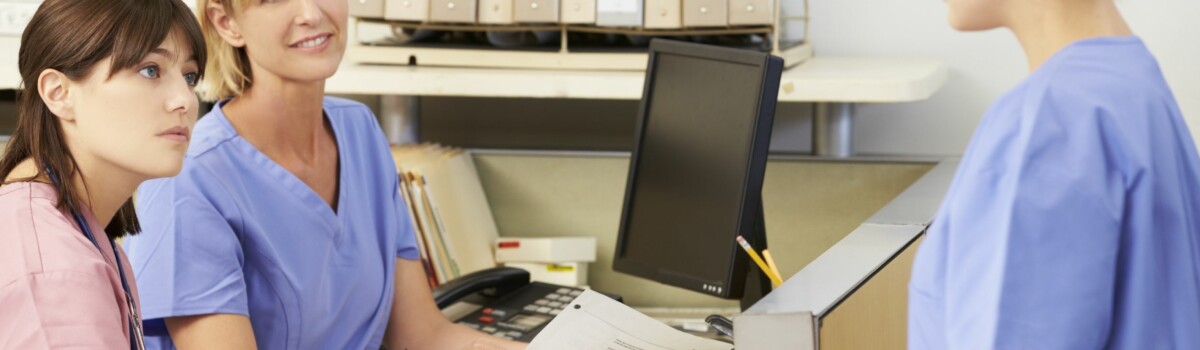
(595, 322)
(448, 208)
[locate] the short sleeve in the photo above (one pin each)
(61, 309)
(188, 259)
(1033, 260)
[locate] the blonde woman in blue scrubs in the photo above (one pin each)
(284, 229)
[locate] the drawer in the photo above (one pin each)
(578, 11)
(366, 8)
(535, 11)
(452, 11)
(496, 11)
(664, 14)
(751, 12)
(705, 13)
(406, 10)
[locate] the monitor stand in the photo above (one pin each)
(757, 283)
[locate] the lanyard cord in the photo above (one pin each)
(135, 327)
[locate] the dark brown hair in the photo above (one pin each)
(72, 36)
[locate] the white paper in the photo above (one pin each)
(596, 322)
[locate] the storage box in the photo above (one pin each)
(578, 11)
(452, 11)
(705, 13)
(546, 250)
(535, 11)
(496, 11)
(751, 12)
(406, 10)
(664, 14)
(567, 274)
(619, 13)
(366, 8)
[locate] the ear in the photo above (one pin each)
(55, 89)
(224, 23)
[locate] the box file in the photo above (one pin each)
(705, 13)
(496, 12)
(406, 10)
(664, 14)
(578, 11)
(568, 274)
(366, 8)
(452, 11)
(751, 12)
(546, 250)
(535, 11)
(619, 13)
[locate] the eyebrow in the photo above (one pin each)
(170, 55)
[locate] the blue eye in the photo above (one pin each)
(191, 78)
(149, 72)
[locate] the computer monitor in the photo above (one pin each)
(696, 174)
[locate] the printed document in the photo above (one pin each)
(596, 322)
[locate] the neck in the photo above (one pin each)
(1046, 27)
(103, 187)
(280, 116)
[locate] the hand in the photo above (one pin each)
(489, 343)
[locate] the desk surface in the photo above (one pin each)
(820, 79)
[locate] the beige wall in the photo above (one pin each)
(810, 205)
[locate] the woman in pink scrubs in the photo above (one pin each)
(107, 103)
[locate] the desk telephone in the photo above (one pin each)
(512, 307)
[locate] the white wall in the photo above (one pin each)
(982, 65)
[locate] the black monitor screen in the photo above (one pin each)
(691, 171)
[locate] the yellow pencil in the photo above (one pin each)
(775, 280)
(771, 263)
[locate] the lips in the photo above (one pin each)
(312, 41)
(177, 133)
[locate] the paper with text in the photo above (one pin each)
(596, 322)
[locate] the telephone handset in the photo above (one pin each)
(510, 306)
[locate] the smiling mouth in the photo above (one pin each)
(314, 42)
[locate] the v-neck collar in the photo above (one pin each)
(291, 182)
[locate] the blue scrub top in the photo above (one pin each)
(236, 233)
(1074, 219)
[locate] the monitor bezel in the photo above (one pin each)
(770, 67)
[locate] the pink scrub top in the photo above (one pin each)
(56, 289)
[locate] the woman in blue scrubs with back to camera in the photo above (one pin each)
(284, 229)
(1074, 219)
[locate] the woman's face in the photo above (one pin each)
(296, 40)
(971, 15)
(140, 118)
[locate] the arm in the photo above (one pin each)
(212, 331)
(416, 322)
(61, 309)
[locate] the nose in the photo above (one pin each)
(310, 13)
(180, 98)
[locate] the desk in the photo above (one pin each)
(826, 286)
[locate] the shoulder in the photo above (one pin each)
(38, 237)
(212, 131)
(1102, 75)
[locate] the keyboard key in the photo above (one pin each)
(531, 307)
(543, 309)
(514, 334)
(555, 312)
(499, 313)
(555, 304)
(487, 311)
(566, 299)
(486, 319)
(553, 296)
(542, 302)
(488, 329)
(576, 293)
(563, 291)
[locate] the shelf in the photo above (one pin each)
(819, 79)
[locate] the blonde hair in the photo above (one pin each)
(228, 70)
